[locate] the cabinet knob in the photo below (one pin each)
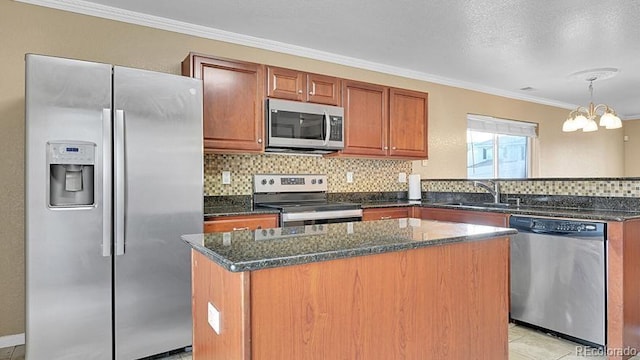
(385, 217)
(299, 91)
(393, 148)
(385, 148)
(310, 92)
(259, 141)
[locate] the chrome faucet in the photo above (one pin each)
(492, 186)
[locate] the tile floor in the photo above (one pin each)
(524, 344)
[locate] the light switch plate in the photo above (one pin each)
(213, 317)
(350, 176)
(402, 177)
(226, 177)
(226, 239)
(425, 162)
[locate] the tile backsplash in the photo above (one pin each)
(369, 175)
(572, 187)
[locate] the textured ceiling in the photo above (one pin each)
(498, 45)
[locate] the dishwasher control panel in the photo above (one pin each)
(549, 225)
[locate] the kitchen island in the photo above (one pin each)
(388, 289)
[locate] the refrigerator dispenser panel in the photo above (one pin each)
(71, 170)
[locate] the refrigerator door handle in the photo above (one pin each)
(106, 182)
(119, 169)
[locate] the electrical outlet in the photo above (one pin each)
(349, 176)
(226, 177)
(213, 317)
(402, 177)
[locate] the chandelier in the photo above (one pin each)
(585, 117)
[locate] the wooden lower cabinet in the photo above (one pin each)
(244, 222)
(465, 216)
(439, 302)
(623, 287)
(387, 213)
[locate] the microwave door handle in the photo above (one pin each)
(328, 129)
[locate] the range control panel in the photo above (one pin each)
(289, 183)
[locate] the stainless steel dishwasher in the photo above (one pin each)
(558, 277)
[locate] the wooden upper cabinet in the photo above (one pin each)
(384, 122)
(366, 118)
(300, 86)
(408, 123)
(233, 92)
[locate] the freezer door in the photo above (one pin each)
(158, 178)
(67, 248)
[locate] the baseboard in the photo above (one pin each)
(11, 340)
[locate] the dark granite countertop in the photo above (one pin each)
(254, 250)
(571, 213)
(585, 211)
(383, 204)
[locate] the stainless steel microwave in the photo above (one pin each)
(293, 126)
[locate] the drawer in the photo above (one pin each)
(242, 222)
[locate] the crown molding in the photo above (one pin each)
(112, 13)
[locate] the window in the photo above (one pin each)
(498, 148)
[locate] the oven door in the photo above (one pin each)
(320, 217)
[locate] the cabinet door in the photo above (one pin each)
(408, 124)
(366, 118)
(385, 213)
(233, 103)
(323, 89)
(244, 222)
(285, 84)
(466, 216)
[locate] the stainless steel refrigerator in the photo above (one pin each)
(113, 178)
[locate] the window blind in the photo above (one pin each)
(490, 124)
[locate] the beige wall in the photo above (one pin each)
(631, 130)
(32, 29)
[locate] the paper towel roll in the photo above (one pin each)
(415, 189)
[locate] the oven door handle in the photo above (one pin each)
(320, 215)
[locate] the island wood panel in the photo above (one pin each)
(386, 213)
(466, 216)
(230, 295)
(241, 222)
(440, 302)
(623, 287)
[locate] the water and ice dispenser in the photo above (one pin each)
(71, 171)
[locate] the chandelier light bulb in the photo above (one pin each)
(569, 125)
(591, 125)
(615, 123)
(580, 121)
(606, 119)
